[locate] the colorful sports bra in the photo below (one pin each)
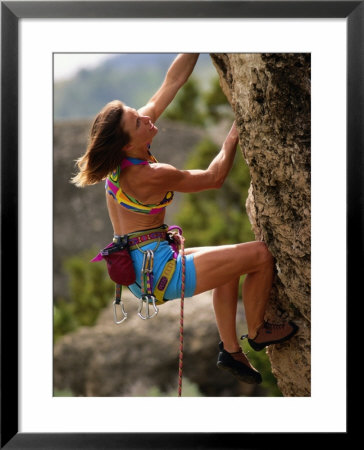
(113, 188)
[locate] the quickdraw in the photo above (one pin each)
(147, 284)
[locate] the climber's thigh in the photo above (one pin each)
(216, 266)
(189, 251)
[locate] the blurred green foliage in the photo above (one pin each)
(196, 106)
(217, 216)
(63, 393)
(189, 389)
(186, 105)
(64, 320)
(216, 105)
(90, 289)
(261, 362)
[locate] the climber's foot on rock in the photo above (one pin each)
(270, 333)
(238, 365)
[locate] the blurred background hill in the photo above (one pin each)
(132, 78)
(191, 132)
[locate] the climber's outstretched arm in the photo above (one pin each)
(162, 177)
(177, 75)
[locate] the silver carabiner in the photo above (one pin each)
(151, 261)
(145, 298)
(144, 262)
(148, 261)
(124, 313)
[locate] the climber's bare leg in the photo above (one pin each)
(225, 301)
(256, 288)
(220, 267)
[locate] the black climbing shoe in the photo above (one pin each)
(238, 365)
(269, 333)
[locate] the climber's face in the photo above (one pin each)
(140, 128)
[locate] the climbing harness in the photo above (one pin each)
(152, 293)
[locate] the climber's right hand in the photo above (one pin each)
(233, 133)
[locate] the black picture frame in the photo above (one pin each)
(11, 12)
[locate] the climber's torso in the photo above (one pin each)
(126, 184)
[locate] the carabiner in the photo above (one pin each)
(124, 314)
(151, 261)
(145, 298)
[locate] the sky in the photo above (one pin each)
(68, 64)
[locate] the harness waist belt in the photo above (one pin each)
(143, 237)
(138, 239)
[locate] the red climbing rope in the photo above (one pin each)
(180, 365)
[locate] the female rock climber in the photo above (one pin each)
(138, 189)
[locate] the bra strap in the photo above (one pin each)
(126, 162)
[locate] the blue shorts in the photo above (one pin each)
(163, 254)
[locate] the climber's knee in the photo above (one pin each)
(263, 255)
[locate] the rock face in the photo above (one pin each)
(270, 96)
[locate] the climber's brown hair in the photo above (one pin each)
(104, 151)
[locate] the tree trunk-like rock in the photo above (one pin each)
(270, 96)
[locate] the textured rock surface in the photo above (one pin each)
(270, 96)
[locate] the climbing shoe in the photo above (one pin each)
(238, 365)
(270, 333)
